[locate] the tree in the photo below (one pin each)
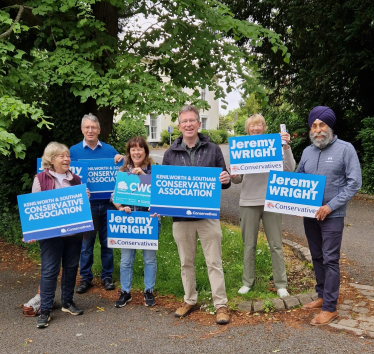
(96, 51)
(331, 61)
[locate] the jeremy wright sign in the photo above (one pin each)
(255, 154)
(138, 230)
(294, 193)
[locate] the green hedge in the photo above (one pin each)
(216, 136)
(124, 130)
(367, 138)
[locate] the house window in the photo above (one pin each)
(204, 94)
(204, 122)
(147, 129)
(153, 125)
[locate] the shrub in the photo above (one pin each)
(165, 136)
(214, 136)
(224, 136)
(239, 126)
(124, 130)
(367, 137)
(10, 228)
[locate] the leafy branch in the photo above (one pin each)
(21, 8)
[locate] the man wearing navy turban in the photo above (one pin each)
(337, 160)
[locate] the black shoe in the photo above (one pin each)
(83, 286)
(71, 308)
(149, 298)
(108, 284)
(123, 299)
(43, 319)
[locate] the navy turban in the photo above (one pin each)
(323, 113)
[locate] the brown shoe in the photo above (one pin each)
(223, 315)
(324, 318)
(185, 310)
(314, 304)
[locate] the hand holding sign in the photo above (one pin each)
(322, 212)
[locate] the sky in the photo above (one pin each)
(232, 99)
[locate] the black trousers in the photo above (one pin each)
(325, 239)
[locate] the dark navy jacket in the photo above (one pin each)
(207, 155)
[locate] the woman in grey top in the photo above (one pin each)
(252, 200)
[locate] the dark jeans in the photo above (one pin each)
(98, 209)
(324, 239)
(53, 253)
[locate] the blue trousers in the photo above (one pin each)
(325, 239)
(98, 209)
(127, 268)
(54, 252)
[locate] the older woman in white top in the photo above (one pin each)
(252, 200)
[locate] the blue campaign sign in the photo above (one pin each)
(101, 178)
(255, 154)
(58, 212)
(294, 193)
(78, 168)
(138, 230)
(191, 192)
(133, 189)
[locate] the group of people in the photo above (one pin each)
(327, 155)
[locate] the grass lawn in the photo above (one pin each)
(169, 281)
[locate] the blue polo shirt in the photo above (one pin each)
(83, 151)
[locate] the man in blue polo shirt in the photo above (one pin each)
(92, 148)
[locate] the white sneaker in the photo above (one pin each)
(244, 289)
(283, 293)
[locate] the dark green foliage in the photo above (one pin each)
(110, 64)
(124, 130)
(366, 136)
(16, 175)
(296, 126)
(10, 228)
(331, 62)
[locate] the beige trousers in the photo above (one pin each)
(210, 235)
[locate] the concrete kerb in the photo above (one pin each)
(361, 325)
(300, 251)
(288, 302)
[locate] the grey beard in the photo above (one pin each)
(321, 143)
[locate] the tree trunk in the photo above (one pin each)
(108, 14)
(105, 116)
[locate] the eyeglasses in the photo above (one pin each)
(185, 121)
(92, 128)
